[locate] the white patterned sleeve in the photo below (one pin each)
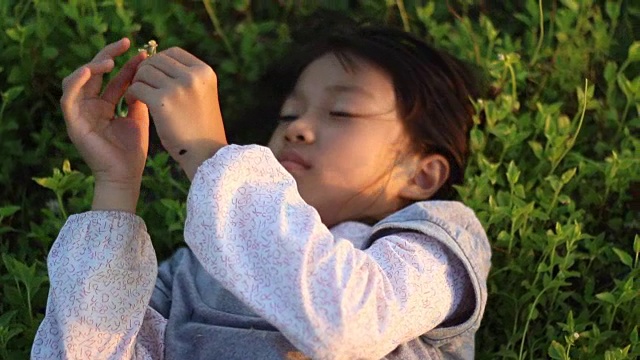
(251, 230)
(102, 270)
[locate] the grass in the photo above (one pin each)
(554, 172)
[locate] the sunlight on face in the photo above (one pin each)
(340, 137)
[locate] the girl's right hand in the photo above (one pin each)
(115, 148)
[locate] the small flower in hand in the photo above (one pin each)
(150, 48)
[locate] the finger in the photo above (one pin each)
(183, 57)
(112, 50)
(138, 111)
(73, 84)
(166, 64)
(72, 87)
(95, 68)
(152, 76)
(118, 85)
(139, 91)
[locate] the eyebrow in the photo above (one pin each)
(349, 89)
(339, 89)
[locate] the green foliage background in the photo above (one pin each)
(554, 175)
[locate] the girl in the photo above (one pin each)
(331, 243)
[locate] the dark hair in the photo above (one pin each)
(433, 89)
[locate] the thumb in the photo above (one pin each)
(137, 110)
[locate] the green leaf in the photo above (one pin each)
(537, 149)
(503, 237)
(71, 11)
(229, 66)
(66, 166)
(50, 52)
(628, 295)
(634, 52)
(625, 85)
(636, 244)
(564, 199)
(49, 183)
(5, 319)
(12, 94)
(607, 297)
(513, 173)
(241, 5)
(554, 182)
(7, 334)
(487, 26)
(613, 9)
(25, 274)
(8, 210)
(568, 175)
(477, 139)
(14, 34)
(571, 4)
(624, 256)
(542, 267)
(556, 351)
(610, 71)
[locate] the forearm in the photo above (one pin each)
(102, 270)
(190, 159)
(250, 229)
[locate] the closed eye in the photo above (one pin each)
(342, 114)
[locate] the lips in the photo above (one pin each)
(291, 160)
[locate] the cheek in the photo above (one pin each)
(371, 153)
(275, 142)
(353, 165)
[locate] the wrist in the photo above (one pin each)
(116, 196)
(190, 160)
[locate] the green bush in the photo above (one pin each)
(554, 174)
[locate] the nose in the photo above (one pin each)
(300, 130)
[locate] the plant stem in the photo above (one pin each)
(553, 201)
(4, 105)
(29, 305)
(613, 316)
(534, 58)
(470, 32)
(570, 248)
(216, 24)
(403, 14)
(625, 112)
(514, 93)
(624, 66)
(533, 283)
(572, 141)
(526, 325)
(61, 205)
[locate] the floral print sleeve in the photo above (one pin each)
(102, 270)
(250, 230)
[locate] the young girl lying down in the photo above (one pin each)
(334, 242)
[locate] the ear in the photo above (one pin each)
(431, 172)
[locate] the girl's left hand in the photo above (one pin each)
(181, 92)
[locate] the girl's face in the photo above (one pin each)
(341, 138)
